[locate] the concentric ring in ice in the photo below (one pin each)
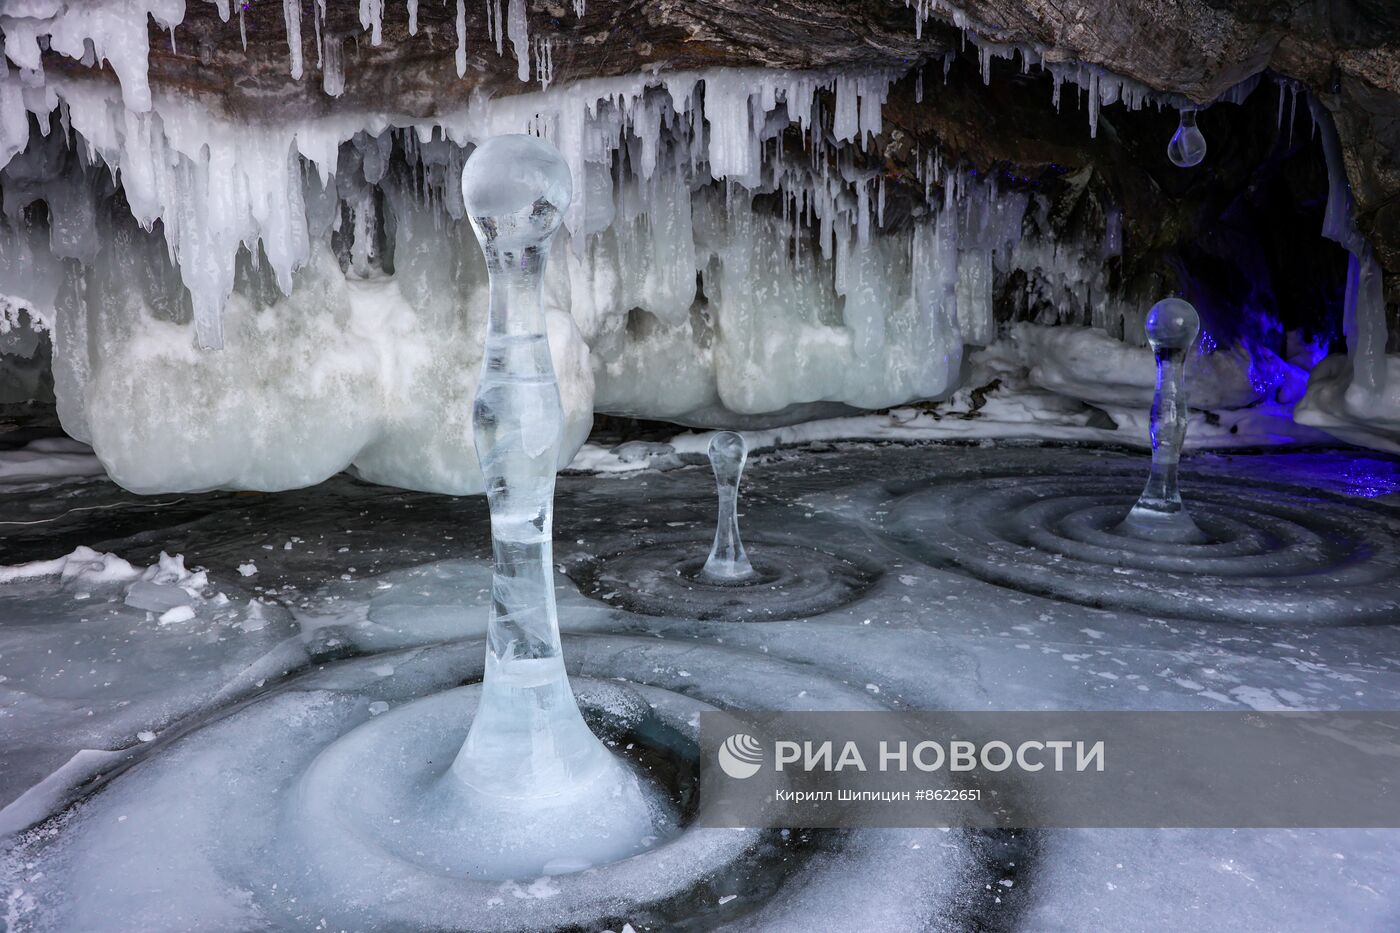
(1274, 553)
(296, 810)
(665, 578)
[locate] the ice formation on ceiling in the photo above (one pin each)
(713, 271)
(710, 273)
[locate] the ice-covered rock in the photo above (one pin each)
(82, 566)
(48, 458)
(345, 372)
(1334, 405)
(164, 586)
(1087, 364)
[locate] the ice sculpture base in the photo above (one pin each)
(666, 578)
(388, 791)
(528, 738)
(1172, 526)
(728, 573)
(1275, 555)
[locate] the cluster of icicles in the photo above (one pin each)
(667, 169)
(216, 187)
(711, 271)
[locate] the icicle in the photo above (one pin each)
(1113, 233)
(497, 23)
(1365, 327)
(372, 18)
(318, 12)
(362, 247)
(1239, 93)
(519, 29)
(413, 17)
(579, 7)
(919, 87)
(1093, 104)
(845, 121)
(333, 70)
(544, 61)
(291, 15)
(1292, 112)
(462, 38)
(1337, 224)
(243, 28)
(14, 121)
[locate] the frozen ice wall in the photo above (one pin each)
(261, 306)
(266, 303)
(1356, 395)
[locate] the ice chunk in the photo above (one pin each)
(83, 566)
(176, 614)
(156, 597)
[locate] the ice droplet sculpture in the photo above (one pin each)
(1172, 326)
(529, 753)
(728, 563)
(1187, 147)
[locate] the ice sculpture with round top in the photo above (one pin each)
(528, 748)
(1172, 326)
(728, 563)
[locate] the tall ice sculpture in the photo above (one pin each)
(1172, 326)
(728, 563)
(529, 753)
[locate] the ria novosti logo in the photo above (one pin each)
(741, 756)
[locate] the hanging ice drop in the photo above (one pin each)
(1172, 326)
(1188, 146)
(727, 562)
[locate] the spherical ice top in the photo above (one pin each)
(1172, 324)
(516, 189)
(726, 445)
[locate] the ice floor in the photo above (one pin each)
(154, 767)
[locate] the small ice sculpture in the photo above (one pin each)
(1172, 326)
(1188, 146)
(727, 562)
(529, 761)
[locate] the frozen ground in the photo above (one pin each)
(153, 775)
